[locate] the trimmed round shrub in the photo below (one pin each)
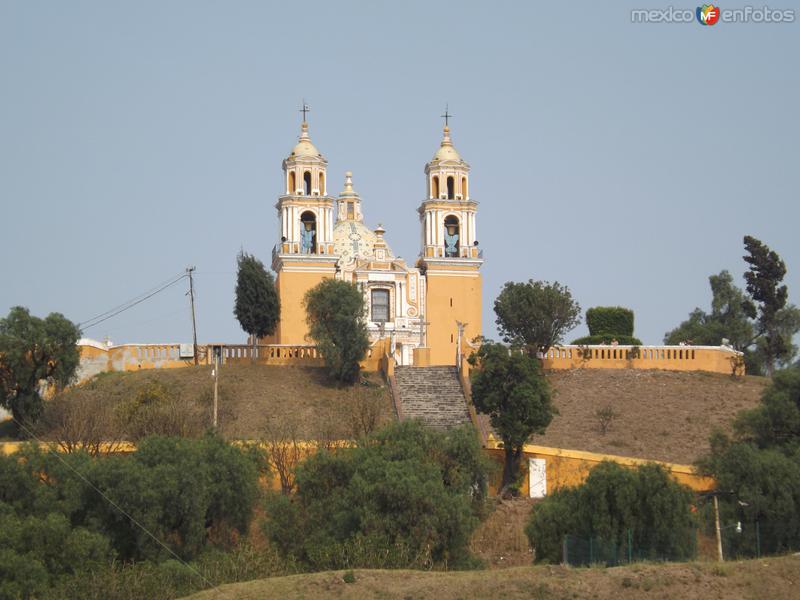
(613, 320)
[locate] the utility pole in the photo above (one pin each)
(217, 352)
(189, 271)
(716, 526)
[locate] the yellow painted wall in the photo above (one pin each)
(292, 288)
(450, 299)
(569, 468)
(672, 358)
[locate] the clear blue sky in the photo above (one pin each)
(624, 160)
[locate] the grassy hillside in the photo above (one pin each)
(662, 415)
(756, 579)
(251, 394)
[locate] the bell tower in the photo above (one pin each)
(304, 255)
(449, 255)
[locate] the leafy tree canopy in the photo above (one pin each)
(535, 314)
(33, 351)
(612, 501)
(406, 496)
(335, 315)
(508, 385)
(760, 323)
(257, 306)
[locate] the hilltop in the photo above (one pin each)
(764, 578)
(661, 415)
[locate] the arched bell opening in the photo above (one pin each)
(292, 189)
(307, 183)
(451, 188)
(308, 233)
(435, 186)
(452, 236)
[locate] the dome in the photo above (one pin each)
(446, 151)
(352, 239)
(304, 147)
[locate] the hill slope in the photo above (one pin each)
(251, 394)
(661, 415)
(765, 578)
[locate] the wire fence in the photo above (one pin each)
(758, 538)
(581, 552)
(740, 540)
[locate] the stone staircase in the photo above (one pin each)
(432, 394)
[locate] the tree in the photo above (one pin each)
(775, 423)
(33, 351)
(643, 506)
(335, 316)
(508, 385)
(768, 302)
(258, 307)
(406, 496)
(535, 314)
(727, 319)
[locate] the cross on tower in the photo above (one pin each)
(446, 116)
(304, 110)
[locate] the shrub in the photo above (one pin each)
(405, 496)
(612, 501)
(157, 410)
(612, 320)
(179, 489)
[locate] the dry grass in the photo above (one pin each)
(773, 578)
(660, 415)
(252, 395)
(500, 540)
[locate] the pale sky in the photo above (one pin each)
(624, 160)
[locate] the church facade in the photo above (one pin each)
(428, 310)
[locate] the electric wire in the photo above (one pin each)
(119, 306)
(122, 511)
(85, 326)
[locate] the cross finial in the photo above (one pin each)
(304, 110)
(446, 116)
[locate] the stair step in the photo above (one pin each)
(432, 394)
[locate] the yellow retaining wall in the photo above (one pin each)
(569, 468)
(564, 468)
(716, 359)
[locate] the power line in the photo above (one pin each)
(129, 305)
(210, 585)
(110, 310)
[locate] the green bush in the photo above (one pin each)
(607, 338)
(612, 501)
(612, 320)
(405, 497)
(179, 489)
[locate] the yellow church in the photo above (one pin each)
(426, 311)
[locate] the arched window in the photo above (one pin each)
(292, 183)
(464, 193)
(435, 187)
(322, 184)
(380, 306)
(452, 235)
(451, 188)
(307, 182)
(308, 233)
